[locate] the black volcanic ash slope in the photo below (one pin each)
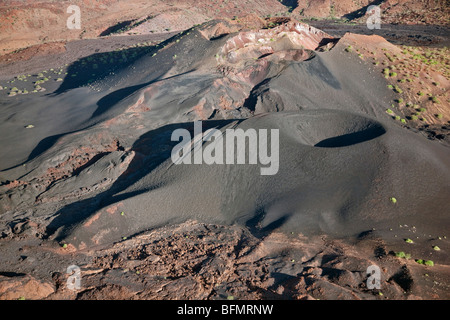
(340, 160)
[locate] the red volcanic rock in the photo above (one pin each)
(287, 36)
(23, 287)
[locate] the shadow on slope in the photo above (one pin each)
(94, 68)
(352, 138)
(362, 11)
(107, 107)
(152, 149)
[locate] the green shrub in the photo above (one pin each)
(435, 100)
(402, 254)
(425, 262)
(398, 90)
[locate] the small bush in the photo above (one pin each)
(398, 90)
(435, 100)
(402, 254)
(425, 262)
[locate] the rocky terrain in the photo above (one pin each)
(28, 23)
(427, 12)
(87, 178)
